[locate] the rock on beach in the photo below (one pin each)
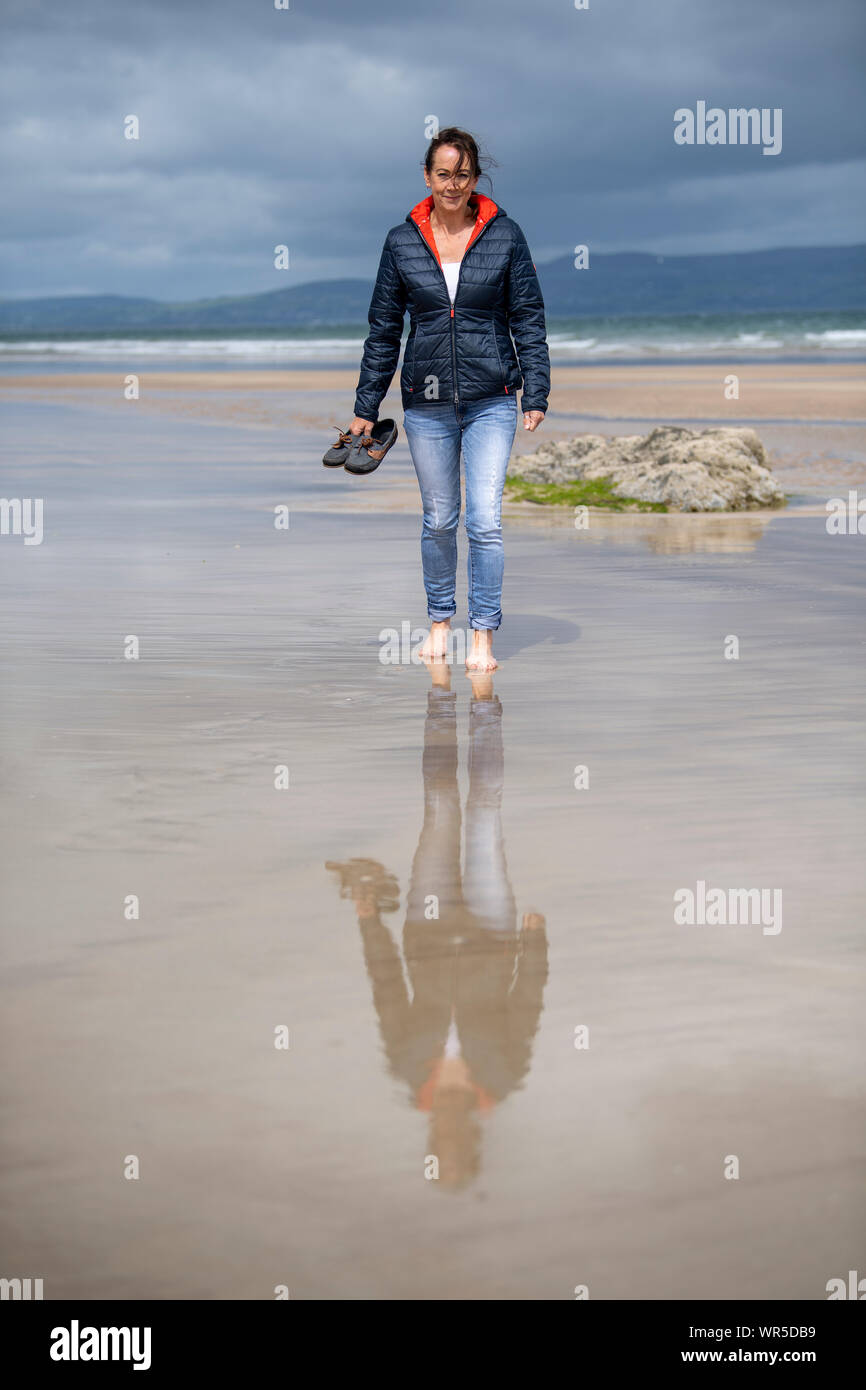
(708, 470)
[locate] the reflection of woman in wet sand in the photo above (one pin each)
(464, 1040)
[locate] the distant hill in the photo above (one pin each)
(630, 282)
(320, 303)
(831, 277)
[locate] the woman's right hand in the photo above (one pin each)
(359, 426)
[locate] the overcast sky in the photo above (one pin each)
(307, 127)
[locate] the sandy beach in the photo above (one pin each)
(812, 418)
(261, 649)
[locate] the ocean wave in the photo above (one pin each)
(650, 339)
(565, 343)
(198, 348)
(844, 337)
(757, 340)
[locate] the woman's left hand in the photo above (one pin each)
(532, 419)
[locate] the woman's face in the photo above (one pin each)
(450, 183)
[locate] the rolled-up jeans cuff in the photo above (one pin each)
(485, 624)
(438, 617)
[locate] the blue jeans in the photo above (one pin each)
(485, 432)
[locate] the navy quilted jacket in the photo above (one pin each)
(491, 342)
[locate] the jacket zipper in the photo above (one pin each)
(456, 291)
(454, 349)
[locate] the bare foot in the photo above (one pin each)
(481, 656)
(440, 674)
(482, 684)
(435, 646)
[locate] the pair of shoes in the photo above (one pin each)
(361, 453)
(370, 878)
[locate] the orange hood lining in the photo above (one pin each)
(426, 1091)
(485, 209)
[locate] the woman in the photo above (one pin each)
(463, 270)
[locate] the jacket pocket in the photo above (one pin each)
(407, 376)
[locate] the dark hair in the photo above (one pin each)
(467, 145)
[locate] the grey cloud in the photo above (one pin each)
(307, 127)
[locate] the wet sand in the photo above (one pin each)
(815, 391)
(261, 648)
(812, 418)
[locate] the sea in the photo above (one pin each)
(813, 336)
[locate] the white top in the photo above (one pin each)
(451, 270)
(452, 1042)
